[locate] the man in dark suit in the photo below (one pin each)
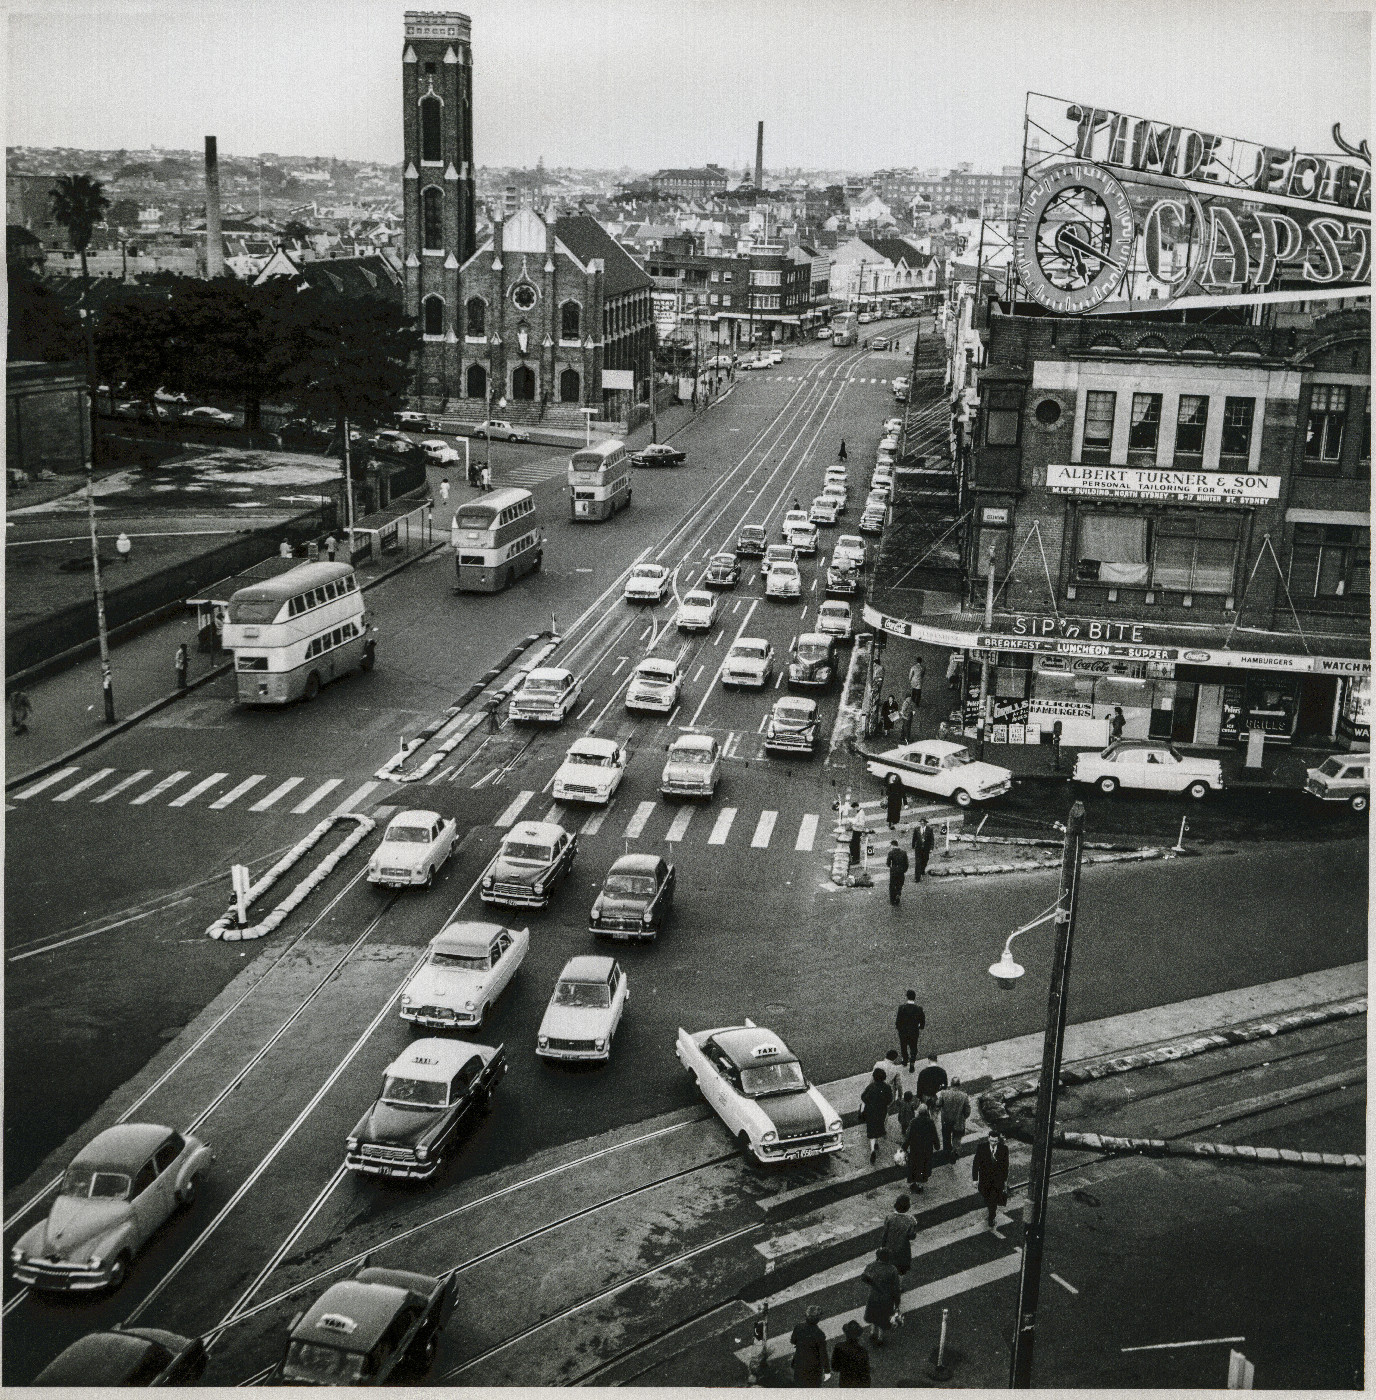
(910, 1022)
(924, 843)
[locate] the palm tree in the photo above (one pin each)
(79, 204)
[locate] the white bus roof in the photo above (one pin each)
(605, 448)
(298, 580)
(493, 501)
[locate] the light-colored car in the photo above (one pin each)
(692, 768)
(803, 537)
(892, 427)
(824, 509)
(532, 859)
(872, 519)
(697, 612)
(777, 554)
(467, 967)
(582, 1016)
(812, 660)
(1153, 764)
(546, 695)
(849, 547)
(749, 662)
(499, 430)
(439, 452)
(880, 492)
(217, 417)
(843, 577)
(889, 443)
(943, 769)
(415, 422)
(1342, 778)
(792, 726)
(835, 620)
(413, 848)
(592, 771)
(390, 440)
(784, 581)
(115, 1194)
(794, 517)
(756, 1086)
(646, 583)
(655, 685)
(759, 362)
(839, 492)
(900, 386)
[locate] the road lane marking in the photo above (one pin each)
(698, 672)
(1171, 1346)
(1069, 1287)
(764, 829)
(440, 776)
(77, 938)
(807, 833)
(350, 803)
(486, 777)
(637, 823)
(586, 708)
(679, 826)
(235, 793)
(722, 829)
(50, 781)
(620, 662)
(594, 823)
(83, 785)
(321, 792)
(280, 791)
(192, 793)
(123, 784)
(158, 789)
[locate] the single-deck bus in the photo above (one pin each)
(843, 328)
(297, 632)
(496, 540)
(599, 480)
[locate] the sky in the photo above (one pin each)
(840, 84)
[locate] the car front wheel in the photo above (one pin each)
(1108, 786)
(119, 1270)
(962, 797)
(1198, 791)
(1359, 801)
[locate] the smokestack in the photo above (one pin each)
(759, 156)
(214, 240)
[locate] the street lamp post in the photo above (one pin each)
(984, 663)
(1006, 972)
(107, 682)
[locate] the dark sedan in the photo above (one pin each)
(752, 540)
(658, 454)
(723, 571)
(128, 1356)
(635, 900)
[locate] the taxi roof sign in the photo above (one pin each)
(337, 1322)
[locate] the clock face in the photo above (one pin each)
(524, 296)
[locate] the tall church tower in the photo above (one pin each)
(438, 196)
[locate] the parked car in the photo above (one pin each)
(837, 475)
(697, 612)
(209, 417)
(415, 845)
(792, 726)
(838, 493)
(592, 771)
(429, 1091)
(583, 1013)
(813, 660)
(393, 442)
(693, 767)
(547, 695)
(777, 554)
(943, 769)
(834, 618)
(752, 540)
(415, 422)
(723, 571)
(721, 362)
(872, 518)
(850, 547)
(1342, 778)
(530, 862)
(499, 430)
(803, 537)
(658, 454)
(775, 356)
(646, 583)
(128, 1356)
(749, 662)
(1154, 764)
(119, 1189)
(892, 427)
(792, 518)
(440, 452)
(655, 684)
(636, 897)
(784, 581)
(467, 967)
(824, 510)
(756, 1086)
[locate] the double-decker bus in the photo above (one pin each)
(297, 632)
(599, 480)
(496, 540)
(844, 328)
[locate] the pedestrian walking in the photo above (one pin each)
(1115, 725)
(487, 476)
(990, 1172)
(921, 1145)
(877, 674)
(924, 843)
(849, 1359)
(444, 490)
(897, 861)
(331, 545)
(910, 1022)
(905, 713)
(917, 673)
(898, 1234)
(856, 822)
(893, 1074)
(893, 799)
(953, 1111)
(20, 710)
(886, 1294)
(472, 473)
(931, 1080)
(907, 1110)
(888, 713)
(841, 455)
(955, 670)
(809, 1350)
(874, 1109)
(284, 549)
(182, 664)
(1056, 746)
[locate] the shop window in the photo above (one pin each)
(1191, 420)
(432, 219)
(1098, 436)
(1145, 429)
(1330, 561)
(432, 309)
(1003, 415)
(477, 316)
(1237, 426)
(430, 145)
(1323, 437)
(1194, 554)
(1112, 549)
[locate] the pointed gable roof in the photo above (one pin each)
(586, 239)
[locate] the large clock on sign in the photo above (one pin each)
(524, 296)
(1074, 238)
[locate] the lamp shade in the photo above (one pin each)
(1006, 972)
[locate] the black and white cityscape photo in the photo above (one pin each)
(688, 694)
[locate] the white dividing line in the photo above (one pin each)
(158, 789)
(1172, 1346)
(486, 777)
(192, 793)
(124, 783)
(83, 785)
(620, 662)
(807, 833)
(678, 828)
(50, 781)
(637, 823)
(722, 829)
(586, 708)
(133, 918)
(350, 803)
(698, 672)
(706, 694)
(440, 776)
(321, 792)
(594, 823)
(764, 829)
(280, 791)
(235, 793)
(716, 641)
(1069, 1287)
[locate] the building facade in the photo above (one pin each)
(691, 183)
(966, 188)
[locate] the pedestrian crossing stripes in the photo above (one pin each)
(235, 793)
(124, 783)
(764, 830)
(722, 829)
(83, 785)
(636, 824)
(158, 789)
(323, 791)
(192, 793)
(807, 833)
(43, 784)
(678, 828)
(279, 792)
(518, 805)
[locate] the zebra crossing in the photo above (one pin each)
(530, 473)
(798, 378)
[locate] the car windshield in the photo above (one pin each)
(653, 675)
(753, 532)
(646, 571)
(252, 610)
(628, 882)
(469, 962)
(584, 759)
(1332, 767)
(424, 1093)
(582, 994)
(957, 759)
(772, 1078)
(544, 685)
(812, 651)
(691, 755)
(316, 1365)
(784, 570)
(417, 835)
(698, 600)
(95, 1183)
(723, 561)
(527, 851)
(750, 651)
(781, 551)
(792, 713)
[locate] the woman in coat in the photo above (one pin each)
(990, 1172)
(809, 1350)
(900, 1229)
(886, 1293)
(849, 1359)
(921, 1144)
(874, 1109)
(893, 798)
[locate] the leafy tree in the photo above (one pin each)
(40, 325)
(79, 204)
(22, 248)
(124, 213)
(139, 342)
(296, 232)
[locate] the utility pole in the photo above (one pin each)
(107, 683)
(1029, 1284)
(348, 487)
(984, 664)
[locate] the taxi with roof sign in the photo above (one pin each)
(757, 1088)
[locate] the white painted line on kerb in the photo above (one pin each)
(124, 783)
(279, 792)
(637, 823)
(1173, 1346)
(350, 803)
(807, 833)
(50, 781)
(678, 828)
(518, 805)
(83, 785)
(764, 829)
(158, 789)
(320, 793)
(192, 793)
(722, 829)
(235, 793)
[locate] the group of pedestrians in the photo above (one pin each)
(891, 711)
(923, 844)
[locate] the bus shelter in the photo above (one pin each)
(400, 528)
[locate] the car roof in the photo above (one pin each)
(658, 663)
(835, 605)
(752, 529)
(433, 1060)
(469, 936)
(749, 642)
(535, 831)
(351, 1316)
(723, 554)
(940, 747)
(741, 1044)
(693, 741)
(696, 595)
(126, 1146)
(416, 814)
(649, 569)
(103, 1358)
(1120, 744)
(547, 673)
(821, 637)
(636, 862)
(587, 967)
(593, 744)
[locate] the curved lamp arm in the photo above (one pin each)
(1006, 972)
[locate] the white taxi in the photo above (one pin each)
(697, 612)
(1154, 764)
(850, 547)
(414, 846)
(547, 695)
(655, 685)
(797, 516)
(944, 769)
(467, 967)
(591, 771)
(646, 583)
(749, 662)
(784, 581)
(756, 1086)
(802, 536)
(834, 618)
(693, 767)
(582, 1016)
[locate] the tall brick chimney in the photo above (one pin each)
(214, 239)
(759, 156)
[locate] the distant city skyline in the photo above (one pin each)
(852, 85)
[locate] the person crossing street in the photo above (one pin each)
(924, 843)
(910, 1022)
(897, 861)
